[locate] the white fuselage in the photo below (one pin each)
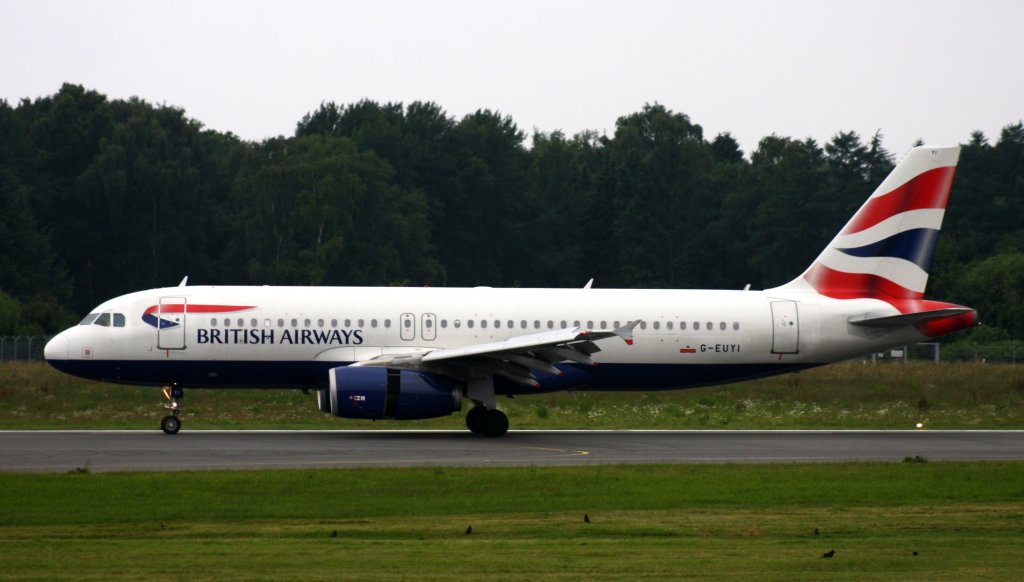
(290, 336)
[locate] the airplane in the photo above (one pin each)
(415, 353)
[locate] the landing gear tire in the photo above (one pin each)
(473, 418)
(170, 424)
(493, 423)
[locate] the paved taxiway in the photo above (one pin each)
(198, 450)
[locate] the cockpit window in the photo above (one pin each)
(89, 319)
(104, 319)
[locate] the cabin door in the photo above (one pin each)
(170, 323)
(785, 328)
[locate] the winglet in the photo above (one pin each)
(626, 332)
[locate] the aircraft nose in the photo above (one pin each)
(57, 348)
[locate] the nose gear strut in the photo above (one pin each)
(171, 424)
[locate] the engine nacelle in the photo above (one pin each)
(377, 393)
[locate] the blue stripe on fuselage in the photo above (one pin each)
(313, 375)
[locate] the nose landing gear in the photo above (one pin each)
(171, 424)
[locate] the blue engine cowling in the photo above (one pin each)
(378, 393)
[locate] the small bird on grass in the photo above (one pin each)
(586, 518)
(915, 552)
(469, 530)
(828, 554)
(817, 532)
(334, 534)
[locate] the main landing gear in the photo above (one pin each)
(171, 424)
(487, 421)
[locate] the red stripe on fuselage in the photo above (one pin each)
(927, 190)
(196, 308)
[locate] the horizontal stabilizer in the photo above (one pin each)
(873, 320)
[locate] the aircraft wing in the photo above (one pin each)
(515, 358)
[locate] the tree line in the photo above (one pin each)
(101, 197)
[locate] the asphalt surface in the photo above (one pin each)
(59, 451)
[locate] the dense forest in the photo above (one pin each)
(100, 197)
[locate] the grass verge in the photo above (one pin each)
(853, 395)
(717, 522)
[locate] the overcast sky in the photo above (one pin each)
(934, 70)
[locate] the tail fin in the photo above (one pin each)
(885, 250)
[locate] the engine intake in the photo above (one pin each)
(379, 393)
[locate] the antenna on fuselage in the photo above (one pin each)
(184, 282)
(589, 283)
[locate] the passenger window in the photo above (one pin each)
(536, 324)
(280, 322)
(721, 326)
(362, 323)
(483, 324)
(511, 324)
(617, 326)
(306, 323)
(253, 322)
(266, 323)
(590, 325)
(373, 323)
(576, 323)
(429, 323)
(497, 324)
(295, 323)
(457, 324)
(668, 325)
(348, 323)
(334, 323)
(696, 326)
(736, 326)
(711, 326)
(643, 325)
(682, 326)
(241, 322)
(604, 325)
(522, 324)
(444, 324)
(551, 324)
(470, 323)
(564, 324)
(387, 323)
(657, 325)
(319, 323)
(118, 320)
(213, 321)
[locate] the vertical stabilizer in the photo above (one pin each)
(885, 250)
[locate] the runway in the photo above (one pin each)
(101, 451)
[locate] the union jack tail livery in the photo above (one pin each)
(885, 251)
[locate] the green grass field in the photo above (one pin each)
(702, 522)
(962, 395)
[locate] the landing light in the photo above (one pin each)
(920, 425)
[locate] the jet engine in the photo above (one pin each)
(378, 393)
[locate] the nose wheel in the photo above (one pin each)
(171, 424)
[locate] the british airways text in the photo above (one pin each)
(340, 337)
